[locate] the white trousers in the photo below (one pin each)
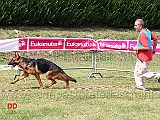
(141, 72)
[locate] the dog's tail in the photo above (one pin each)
(70, 78)
(65, 76)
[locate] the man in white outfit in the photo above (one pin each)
(145, 51)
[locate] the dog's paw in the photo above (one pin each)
(47, 86)
(12, 83)
(41, 88)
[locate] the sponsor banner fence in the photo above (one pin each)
(30, 44)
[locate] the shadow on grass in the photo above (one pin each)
(36, 87)
(155, 89)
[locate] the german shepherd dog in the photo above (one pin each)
(39, 66)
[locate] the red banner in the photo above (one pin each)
(46, 43)
(113, 44)
(80, 44)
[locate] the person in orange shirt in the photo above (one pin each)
(145, 51)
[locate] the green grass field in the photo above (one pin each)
(56, 103)
(97, 104)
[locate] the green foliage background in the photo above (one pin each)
(75, 13)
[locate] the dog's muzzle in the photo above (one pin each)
(12, 63)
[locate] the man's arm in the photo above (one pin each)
(155, 41)
(154, 46)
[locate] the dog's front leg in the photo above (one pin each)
(39, 80)
(24, 75)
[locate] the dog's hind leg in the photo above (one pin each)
(56, 74)
(67, 83)
(50, 76)
(24, 75)
(62, 76)
(39, 80)
(52, 83)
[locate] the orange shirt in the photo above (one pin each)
(145, 55)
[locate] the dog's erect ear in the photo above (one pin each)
(17, 54)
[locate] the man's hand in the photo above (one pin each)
(153, 52)
(134, 48)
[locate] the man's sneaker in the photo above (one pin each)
(136, 88)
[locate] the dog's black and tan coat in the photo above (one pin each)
(40, 66)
